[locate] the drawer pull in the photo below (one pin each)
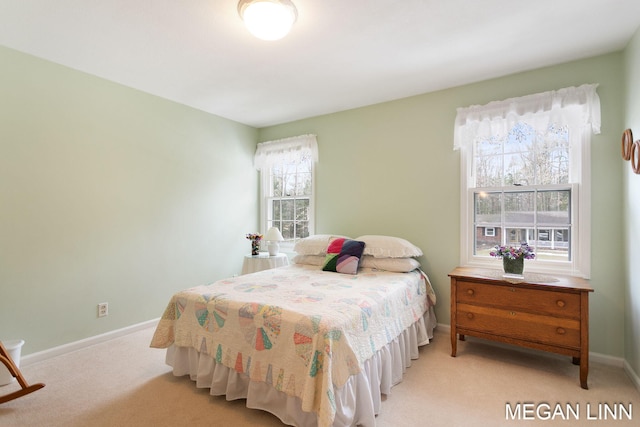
(560, 303)
(561, 331)
(470, 292)
(512, 289)
(469, 315)
(513, 313)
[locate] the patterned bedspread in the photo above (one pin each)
(297, 328)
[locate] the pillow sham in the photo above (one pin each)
(309, 259)
(343, 256)
(314, 245)
(389, 247)
(396, 265)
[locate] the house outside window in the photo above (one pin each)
(525, 175)
(287, 169)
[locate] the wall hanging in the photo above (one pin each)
(627, 141)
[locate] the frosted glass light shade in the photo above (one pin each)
(268, 19)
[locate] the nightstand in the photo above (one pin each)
(261, 262)
(549, 313)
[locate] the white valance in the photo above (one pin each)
(497, 117)
(287, 150)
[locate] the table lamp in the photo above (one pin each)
(273, 236)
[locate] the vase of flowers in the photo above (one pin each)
(513, 257)
(255, 243)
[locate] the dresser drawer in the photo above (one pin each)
(520, 325)
(555, 303)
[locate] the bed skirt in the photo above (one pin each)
(357, 402)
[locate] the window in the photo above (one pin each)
(525, 178)
(287, 186)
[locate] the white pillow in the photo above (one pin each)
(309, 259)
(389, 247)
(314, 245)
(397, 265)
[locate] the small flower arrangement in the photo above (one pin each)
(255, 243)
(511, 252)
(254, 237)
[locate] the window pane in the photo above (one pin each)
(553, 207)
(303, 184)
(553, 244)
(302, 229)
(519, 208)
(275, 210)
(287, 210)
(276, 184)
(302, 209)
(289, 185)
(485, 242)
(287, 230)
(488, 171)
(515, 236)
(488, 207)
(488, 146)
(553, 166)
(515, 170)
(305, 166)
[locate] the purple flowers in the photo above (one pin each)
(510, 252)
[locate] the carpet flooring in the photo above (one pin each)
(123, 382)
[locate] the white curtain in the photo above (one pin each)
(285, 150)
(496, 118)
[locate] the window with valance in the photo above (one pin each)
(525, 177)
(287, 169)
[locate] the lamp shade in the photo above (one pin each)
(268, 19)
(273, 235)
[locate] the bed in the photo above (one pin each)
(313, 347)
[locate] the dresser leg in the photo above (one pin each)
(584, 372)
(454, 342)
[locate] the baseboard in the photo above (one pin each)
(77, 345)
(632, 374)
(442, 328)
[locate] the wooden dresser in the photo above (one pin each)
(548, 313)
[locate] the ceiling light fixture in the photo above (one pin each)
(268, 19)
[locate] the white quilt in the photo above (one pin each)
(298, 328)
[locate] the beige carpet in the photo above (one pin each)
(123, 382)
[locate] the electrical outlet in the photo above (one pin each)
(103, 309)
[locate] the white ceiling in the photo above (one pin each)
(341, 54)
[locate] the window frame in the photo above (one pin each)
(266, 198)
(579, 180)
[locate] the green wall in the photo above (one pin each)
(390, 169)
(108, 194)
(632, 209)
